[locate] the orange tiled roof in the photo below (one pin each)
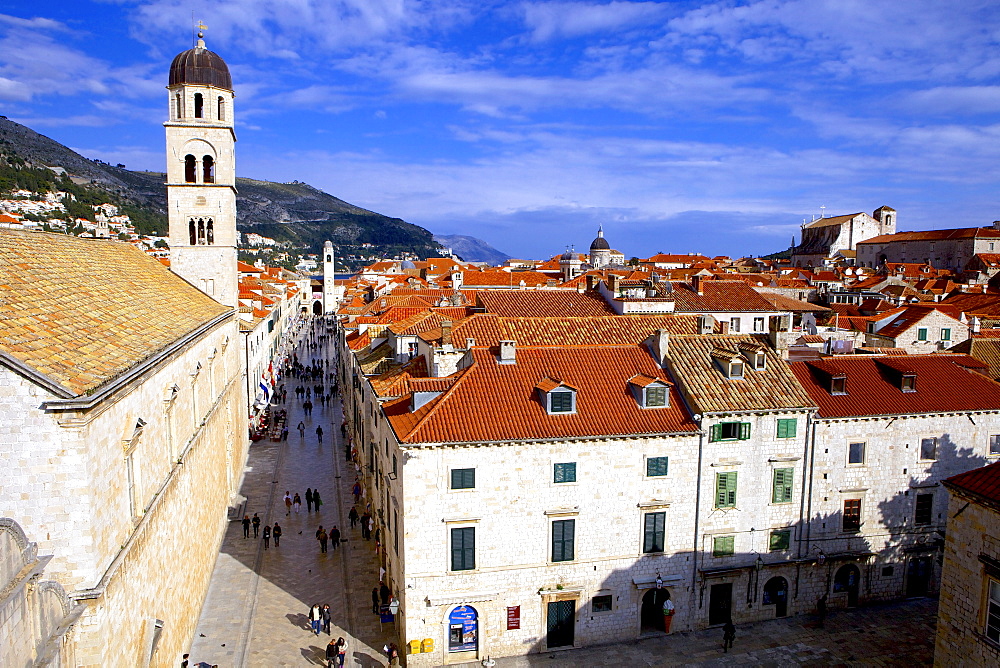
(936, 235)
(719, 296)
(708, 390)
(82, 311)
(543, 304)
(782, 303)
(396, 381)
(944, 384)
(982, 484)
(904, 319)
(506, 406)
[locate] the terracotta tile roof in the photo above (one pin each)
(936, 235)
(667, 258)
(505, 403)
(944, 384)
(429, 320)
(543, 304)
(396, 381)
(719, 296)
(982, 484)
(378, 360)
(710, 391)
(359, 341)
(488, 329)
(832, 220)
(83, 311)
(906, 318)
(500, 278)
(783, 303)
(976, 304)
(984, 349)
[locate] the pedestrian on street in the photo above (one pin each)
(316, 500)
(323, 538)
(356, 491)
(256, 524)
(341, 651)
(335, 537)
(319, 434)
(297, 502)
(374, 600)
(331, 653)
(353, 516)
(288, 503)
(821, 610)
(309, 499)
(392, 653)
(728, 635)
(383, 592)
(267, 535)
(246, 526)
(277, 534)
(364, 526)
(315, 618)
(308, 407)
(326, 619)
(284, 434)
(302, 429)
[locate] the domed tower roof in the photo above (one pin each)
(200, 66)
(600, 243)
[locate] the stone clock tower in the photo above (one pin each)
(201, 173)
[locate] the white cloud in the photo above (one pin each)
(550, 20)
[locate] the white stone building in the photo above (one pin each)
(824, 238)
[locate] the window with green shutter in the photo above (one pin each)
(725, 490)
(723, 546)
(730, 431)
(780, 540)
(564, 472)
(786, 427)
(463, 478)
(656, 466)
(463, 549)
(656, 396)
(782, 486)
(563, 536)
(922, 334)
(654, 532)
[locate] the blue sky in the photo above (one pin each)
(714, 127)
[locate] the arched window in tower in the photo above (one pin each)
(192, 238)
(209, 166)
(190, 169)
(211, 232)
(199, 106)
(201, 231)
(178, 106)
(222, 109)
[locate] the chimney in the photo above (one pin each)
(661, 345)
(446, 332)
(696, 283)
(706, 324)
(592, 281)
(724, 327)
(976, 325)
(507, 352)
(613, 283)
(470, 342)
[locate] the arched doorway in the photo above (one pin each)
(776, 594)
(317, 307)
(463, 631)
(848, 579)
(918, 576)
(651, 611)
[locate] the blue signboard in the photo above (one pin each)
(463, 629)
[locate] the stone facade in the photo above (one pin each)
(825, 237)
(970, 587)
(941, 249)
(930, 332)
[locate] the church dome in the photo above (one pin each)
(600, 243)
(407, 264)
(200, 66)
(568, 255)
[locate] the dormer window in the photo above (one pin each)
(650, 392)
(759, 361)
(908, 383)
(557, 397)
(838, 385)
(735, 369)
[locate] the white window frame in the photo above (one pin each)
(864, 453)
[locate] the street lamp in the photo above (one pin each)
(393, 607)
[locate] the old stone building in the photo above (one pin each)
(968, 629)
(950, 249)
(124, 437)
(824, 238)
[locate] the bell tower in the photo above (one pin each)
(201, 173)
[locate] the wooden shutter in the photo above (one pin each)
(744, 431)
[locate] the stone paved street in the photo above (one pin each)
(256, 610)
(893, 634)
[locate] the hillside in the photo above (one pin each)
(472, 249)
(289, 212)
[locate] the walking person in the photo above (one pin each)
(319, 434)
(374, 600)
(821, 610)
(316, 500)
(267, 535)
(256, 524)
(326, 619)
(356, 491)
(246, 526)
(341, 651)
(335, 537)
(322, 537)
(728, 635)
(331, 653)
(288, 503)
(302, 429)
(297, 503)
(309, 499)
(277, 534)
(315, 618)
(353, 516)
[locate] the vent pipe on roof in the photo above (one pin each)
(661, 345)
(446, 332)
